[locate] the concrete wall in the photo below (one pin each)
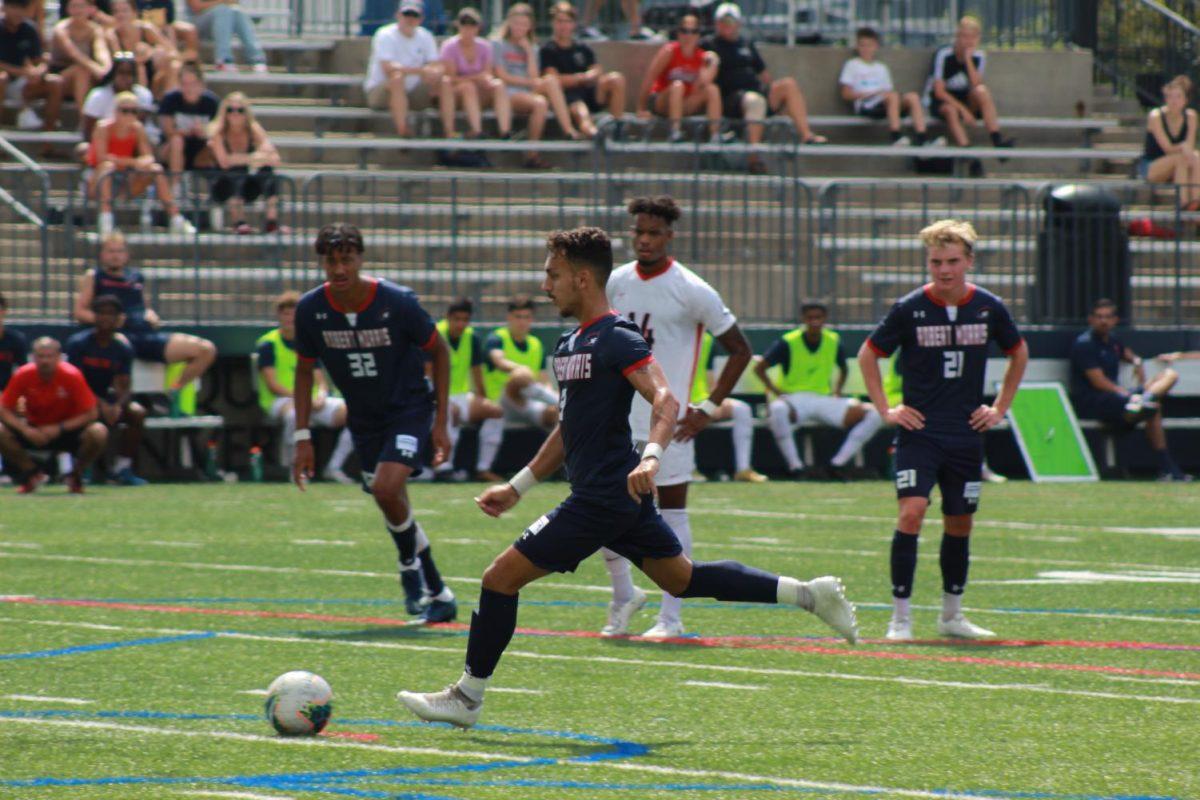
(1036, 83)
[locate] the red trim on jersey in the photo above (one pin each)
(876, 349)
(591, 322)
(305, 359)
(648, 276)
(637, 365)
(370, 298)
(1015, 347)
(940, 302)
(429, 345)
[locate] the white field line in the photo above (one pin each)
(331, 542)
(258, 738)
(181, 545)
(38, 698)
(513, 690)
(22, 545)
(255, 692)
(239, 795)
(1167, 681)
(745, 687)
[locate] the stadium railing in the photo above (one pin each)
(24, 200)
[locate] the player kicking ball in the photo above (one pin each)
(372, 337)
(599, 367)
(943, 331)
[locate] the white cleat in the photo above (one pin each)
(449, 705)
(899, 629)
(664, 630)
(620, 615)
(959, 627)
(181, 227)
(831, 605)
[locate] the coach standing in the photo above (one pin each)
(60, 414)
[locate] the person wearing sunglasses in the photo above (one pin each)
(681, 81)
(468, 58)
(121, 148)
(101, 102)
(404, 68)
(247, 160)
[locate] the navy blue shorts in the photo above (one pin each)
(569, 534)
(1109, 408)
(402, 441)
(954, 466)
(149, 345)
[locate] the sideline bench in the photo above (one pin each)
(148, 377)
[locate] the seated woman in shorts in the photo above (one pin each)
(681, 81)
(247, 161)
(1169, 154)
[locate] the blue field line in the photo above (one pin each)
(102, 646)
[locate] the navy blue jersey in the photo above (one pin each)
(129, 288)
(100, 364)
(944, 353)
(1089, 351)
(14, 351)
(591, 364)
(374, 355)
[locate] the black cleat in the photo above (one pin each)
(414, 589)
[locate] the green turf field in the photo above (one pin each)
(139, 628)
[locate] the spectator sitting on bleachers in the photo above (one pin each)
(14, 349)
(955, 91)
(404, 70)
(106, 360)
(1096, 356)
(680, 81)
(247, 160)
(101, 102)
(79, 50)
(221, 20)
(156, 57)
(141, 323)
(587, 88)
(866, 83)
(747, 91)
(529, 92)
(24, 75)
(120, 149)
(183, 115)
(60, 415)
(1169, 153)
(101, 12)
(807, 391)
(181, 34)
(632, 9)
(467, 59)
(277, 359)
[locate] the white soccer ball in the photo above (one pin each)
(299, 703)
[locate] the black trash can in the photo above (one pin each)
(1083, 255)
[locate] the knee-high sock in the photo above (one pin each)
(677, 518)
(453, 430)
(619, 574)
(732, 581)
(405, 537)
(490, 434)
(781, 429)
(743, 435)
(955, 558)
(539, 392)
(434, 584)
(342, 450)
(858, 436)
(904, 568)
(492, 626)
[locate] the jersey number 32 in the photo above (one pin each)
(362, 365)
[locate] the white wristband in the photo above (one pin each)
(652, 450)
(523, 481)
(709, 408)
(301, 435)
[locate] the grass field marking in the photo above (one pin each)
(22, 545)
(101, 646)
(329, 542)
(39, 698)
(1091, 578)
(180, 545)
(260, 738)
(514, 690)
(1166, 681)
(255, 692)
(746, 687)
(239, 795)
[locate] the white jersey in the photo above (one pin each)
(673, 309)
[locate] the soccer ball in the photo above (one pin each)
(299, 703)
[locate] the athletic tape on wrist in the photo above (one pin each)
(301, 435)
(652, 450)
(709, 408)
(523, 481)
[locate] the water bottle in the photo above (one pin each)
(256, 464)
(210, 460)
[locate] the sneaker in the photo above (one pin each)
(1007, 142)
(592, 34)
(126, 477)
(750, 476)
(181, 227)
(677, 137)
(832, 607)
(414, 589)
(336, 475)
(440, 611)
(449, 705)
(899, 629)
(664, 630)
(1175, 477)
(993, 477)
(74, 482)
(959, 627)
(698, 477)
(452, 476)
(798, 474)
(937, 141)
(903, 141)
(105, 223)
(723, 137)
(28, 120)
(620, 614)
(32, 483)
(644, 34)
(261, 68)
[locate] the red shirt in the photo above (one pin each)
(49, 402)
(680, 68)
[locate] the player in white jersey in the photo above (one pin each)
(673, 306)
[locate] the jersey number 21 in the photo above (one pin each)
(952, 366)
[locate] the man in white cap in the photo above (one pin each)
(405, 67)
(747, 91)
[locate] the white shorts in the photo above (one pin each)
(678, 463)
(822, 408)
(460, 405)
(529, 413)
(320, 419)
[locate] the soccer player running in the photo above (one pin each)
(672, 306)
(943, 330)
(599, 366)
(371, 336)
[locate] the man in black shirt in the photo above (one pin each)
(183, 115)
(24, 76)
(747, 91)
(587, 87)
(955, 90)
